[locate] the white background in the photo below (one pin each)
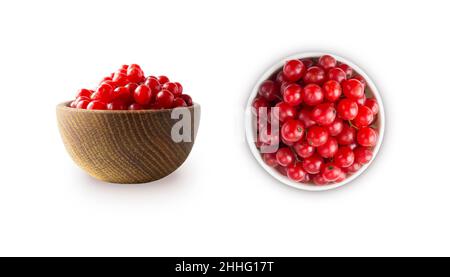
(220, 202)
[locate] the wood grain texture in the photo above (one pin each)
(124, 146)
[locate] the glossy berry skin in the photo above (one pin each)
(285, 156)
(364, 117)
(153, 84)
(312, 164)
(82, 104)
(280, 78)
(292, 130)
(312, 95)
(331, 172)
(121, 93)
(319, 180)
(372, 104)
(270, 159)
(335, 128)
(327, 61)
(296, 173)
(317, 136)
(361, 79)
(164, 99)
(344, 157)
(332, 90)
(307, 62)
(366, 136)
(347, 135)
(363, 155)
(305, 116)
(258, 103)
(103, 92)
(120, 78)
(342, 177)
(96, 105)
(178, 103)
(135, 107)
(303, 149)
(292, 94)
(142, 95)
(347, 109)
(314, 75)
(285, 111)
(84, 92)
(187, 99)
(323, 114)
(293, 70)
(163, 79)
(353, 168)
(336, 74)
(268, 90)
(353, 89)
(172, 87)
(329, 148)
(135, 74)
(116, 105)
(347, 69)
(180, 87)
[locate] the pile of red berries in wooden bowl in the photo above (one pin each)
(129, 89)
(315, 121)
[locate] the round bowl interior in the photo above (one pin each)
(371, 91)
(128, 146)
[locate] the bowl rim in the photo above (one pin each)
(272, 171)
(64, 106)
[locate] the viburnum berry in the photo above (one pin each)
(364, 117)
(327, 61)
(347, 69)
(292, 130)
(285, 111)
(285, 156)
(314, 75)
(305, 116)
(363, 155)
(293, 70)
(83, 103)
(332, 90)
(163, 79)
(84, 92)
(336, 74)
(344, 157)
(346, 136)
(335, 127)
(329, 148)
(372, 104)
(96, 105)
(323, 114)
(142, 95)
(331, 172)
(366, 136)
(103, 92)
(164, 99)
(303, 149)
(320, 180)
(312, 95)
(317, 136)
(135, 107)
(117, 105)
(270, 159)
(269, 90)
(292, 94)
(295, 172)
(187, 99)
(178, 102)
(313, 164)
(172, 87)
(347, 109)
(153, 84)
(352, 89)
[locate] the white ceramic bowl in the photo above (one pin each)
(371, 90)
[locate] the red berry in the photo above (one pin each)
(305, 116)
(178, 102)
(319, 180)
(347, 69)
(344, 157)
(292, 94)
(281, 78)
(352, 89)
(314, 75)
(323, 114)
(120, 79)
(135, 74)
(172, 87)
(270, 159)
(82, 104)
(135, 107)
(329, 148)
(361, 79)
(163, 79)
(121, 93)
(347, 135)
(307, 62)
(103, 92)
(303, 149)
(335, 128)
(327, 61)
(366, 136)
(341, 177)
(331, 172)
(142, 95)
(180, 87)
(258, 103)
(332, 90)
(312, 164)
(187, 99)
(317, 136)
(96, 105)
(153, 84)
(364, 117)
(131, 87)
(285, 111)
(353, 168)
(117, 105)
(292, 130)
(347, 109)
(295, 172)
(293, 70)
(164, 99)
(269, 90)
(363, 155)
(84, 92)
(373, 105)
(312, 95)
(285, 156)
(336, 74)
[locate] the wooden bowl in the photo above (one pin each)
(125, 146)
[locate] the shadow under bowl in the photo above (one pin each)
(128, 146)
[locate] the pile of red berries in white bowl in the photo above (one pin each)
(315, 121)
(129, 89)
